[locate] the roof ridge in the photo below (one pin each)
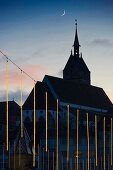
(73, 81)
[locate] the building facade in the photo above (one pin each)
(73, 90)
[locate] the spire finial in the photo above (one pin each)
(76, 42)
(76, 23)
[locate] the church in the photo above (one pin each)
(74, 89)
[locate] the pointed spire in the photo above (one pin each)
(76, 42)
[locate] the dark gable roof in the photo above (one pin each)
(77, 63)
(80, 94)
(40, 98)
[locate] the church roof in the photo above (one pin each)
(40, 98)
(76, 41)
(79, 94)
(74, 62)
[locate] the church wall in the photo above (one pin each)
(39, 113)
(76, 75)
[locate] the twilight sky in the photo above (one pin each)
(35, 36)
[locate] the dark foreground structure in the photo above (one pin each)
(73, 90)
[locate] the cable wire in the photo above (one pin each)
(8, 59)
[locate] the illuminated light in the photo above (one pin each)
(62, 161)
(77, 156)
(34, 129)
(77, 136)
(48, 159)
(53, 160)
(96, 137)
(38, 155)
(43, 158)
(88, 139)
(7, 98)
(9, 154)
(46, 121)
(111, 141)
(21, 109)
(104, 143)
(57, 138)
(67, 134)
(79, 153)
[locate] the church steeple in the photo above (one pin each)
(76, 42)
(76, 68)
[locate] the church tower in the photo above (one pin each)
(75, 68)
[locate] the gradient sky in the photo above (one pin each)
(35, 35)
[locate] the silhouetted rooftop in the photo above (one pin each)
(78, 62)
(79, 94)
(40, 90)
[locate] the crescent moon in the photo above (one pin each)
(63, 13)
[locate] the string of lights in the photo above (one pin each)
(95, 160)
(22, 71)
(8, 59)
